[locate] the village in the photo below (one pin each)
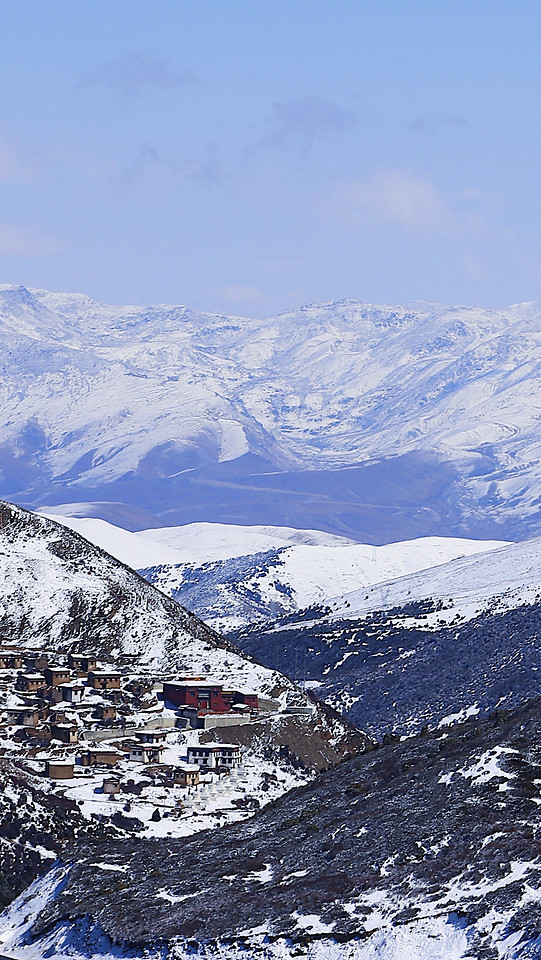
(150, 753)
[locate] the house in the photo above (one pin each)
(36, 661)
(212, 755)
(111, 786)
(72, 692)
(152, 736)
(186, 774)
(55, 676)
(9, 660)
(65, 732)
(30, 682)
(24, 716)
(105, 712)
(146, 752)
(82, 662)
(100, 757)
(104, 679)
(59, 769)
(200, 694)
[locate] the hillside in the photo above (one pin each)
(425, 848)
(459, 638)
(59, 591)
(232, 576)
(377, 422)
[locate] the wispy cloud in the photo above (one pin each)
(136, 74)
(300, 123)
(18, 242)
(396, 197)
(152, 166)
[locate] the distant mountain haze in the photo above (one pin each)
(378, 423)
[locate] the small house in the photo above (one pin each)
(72, 692)
(23, 716)
(111, 786)
(106, 711)
(152, 736)
(104, 679)
(146, 752)
(59, 769)
(36, 661)
(82, 662)
(65, 732)
(100, 757)
(186, 774)
(30, 682)
(10, 660)
(212, 755)
(55, 676)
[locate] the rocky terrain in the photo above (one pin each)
(390, 671)
(432, 838)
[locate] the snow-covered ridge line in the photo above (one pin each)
(289, 569)
(125, 400)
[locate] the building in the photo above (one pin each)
(24, 716)
(105, 712)
(196, 693)
(72, 692)
(212, 755)
(101, 757)
(104, 679)
(59, 769)
(30, 682)
(9, 660)
(111, 786)
(146, 752)
(65, 732)
(82, 662)
(186, 774)
(55, 676)
(152, 736)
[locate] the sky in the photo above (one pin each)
(246, 158)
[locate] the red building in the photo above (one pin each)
(201, 694)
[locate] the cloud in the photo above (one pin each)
(135, 74)
(396, 197)
(17, 242)
(302, 122)
(153, 167)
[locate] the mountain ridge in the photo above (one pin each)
(393, 421)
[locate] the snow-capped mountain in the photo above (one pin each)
(378, 422)
(58, 591)
(232, 576)
(460, 638)
(426, 848)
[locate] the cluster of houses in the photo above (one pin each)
(85, 714)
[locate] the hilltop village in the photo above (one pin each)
(151, 753)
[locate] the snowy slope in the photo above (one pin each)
(426, 849)
(501, 578)
(461, 637)
(378, 421)
(231, 575)
(59, 591)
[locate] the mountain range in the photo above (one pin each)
(380, 423)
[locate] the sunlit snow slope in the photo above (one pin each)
(233, 575)
(382, 423)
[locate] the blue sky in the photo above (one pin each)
(246, 157)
